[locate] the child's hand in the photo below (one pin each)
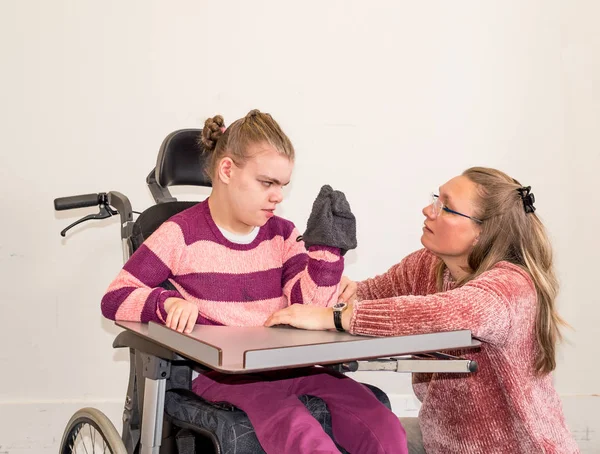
(181, 314)
(331, 222)
(303, 316)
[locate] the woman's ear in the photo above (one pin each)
(224, 170)
(477, 232)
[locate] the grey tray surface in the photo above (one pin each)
(233, 349)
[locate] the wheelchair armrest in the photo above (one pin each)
(132, 340)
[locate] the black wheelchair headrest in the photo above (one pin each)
(181, 160)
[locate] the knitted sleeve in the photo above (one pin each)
(482, 305)
(135, 294)
(399, 279)
(311, 277)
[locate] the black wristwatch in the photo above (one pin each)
(337, 316)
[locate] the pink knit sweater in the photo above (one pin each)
(504, 407)
(232, 284)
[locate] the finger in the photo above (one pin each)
(282, 319)
(181, 324)
(344, 284)
(191, 321)
(348, 293)
(276, 317)
(175, 318)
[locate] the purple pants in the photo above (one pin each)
(360, 423)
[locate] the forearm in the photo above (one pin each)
(317, 283)
(136, 304)
(399, 279)
(480, 310)
(136, 293)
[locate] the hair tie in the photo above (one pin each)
(528, 198)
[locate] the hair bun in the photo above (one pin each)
(212, 132)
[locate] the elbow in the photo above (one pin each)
(108, 308)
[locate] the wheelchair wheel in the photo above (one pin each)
(90, 431)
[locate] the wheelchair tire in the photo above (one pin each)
(95, 428)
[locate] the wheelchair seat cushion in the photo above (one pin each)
(230, 426)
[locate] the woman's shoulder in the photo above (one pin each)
(507, 279)
(420, 259)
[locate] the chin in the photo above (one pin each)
(424, 242)
(427, 245)
(259, 221)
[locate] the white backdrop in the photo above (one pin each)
(384, 100)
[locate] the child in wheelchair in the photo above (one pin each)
(231, 261)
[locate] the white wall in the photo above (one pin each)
(385, 100)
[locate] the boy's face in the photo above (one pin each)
(256, 189)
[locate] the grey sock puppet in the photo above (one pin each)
(331, 222)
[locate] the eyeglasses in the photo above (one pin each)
(438, 206)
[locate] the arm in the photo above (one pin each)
(399, 279)
(481, 305)
(311, 277)
(135, 294)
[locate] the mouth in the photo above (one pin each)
(427, 228)
(269, 212)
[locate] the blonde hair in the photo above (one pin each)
(233, 141)
(509, 233)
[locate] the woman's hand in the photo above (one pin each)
(304, 317)
(348, 290)
(181, 314)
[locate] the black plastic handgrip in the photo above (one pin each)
(77, 201)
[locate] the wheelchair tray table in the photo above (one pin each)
(231, 349)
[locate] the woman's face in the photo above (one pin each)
(449, 235)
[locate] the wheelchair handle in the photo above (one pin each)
(109, 204)
(78, 201)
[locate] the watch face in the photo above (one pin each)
(339, 306)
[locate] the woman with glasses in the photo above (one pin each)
(486, 266)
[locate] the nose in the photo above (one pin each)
(276, 195)
(428, 212)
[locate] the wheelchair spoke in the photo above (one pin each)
(100, 436)
(81, 440)
(84, 447)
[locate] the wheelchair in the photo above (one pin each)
(161, 414)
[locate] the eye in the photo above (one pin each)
(266, 184)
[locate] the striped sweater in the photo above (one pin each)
(505, 407)
(232, 284)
